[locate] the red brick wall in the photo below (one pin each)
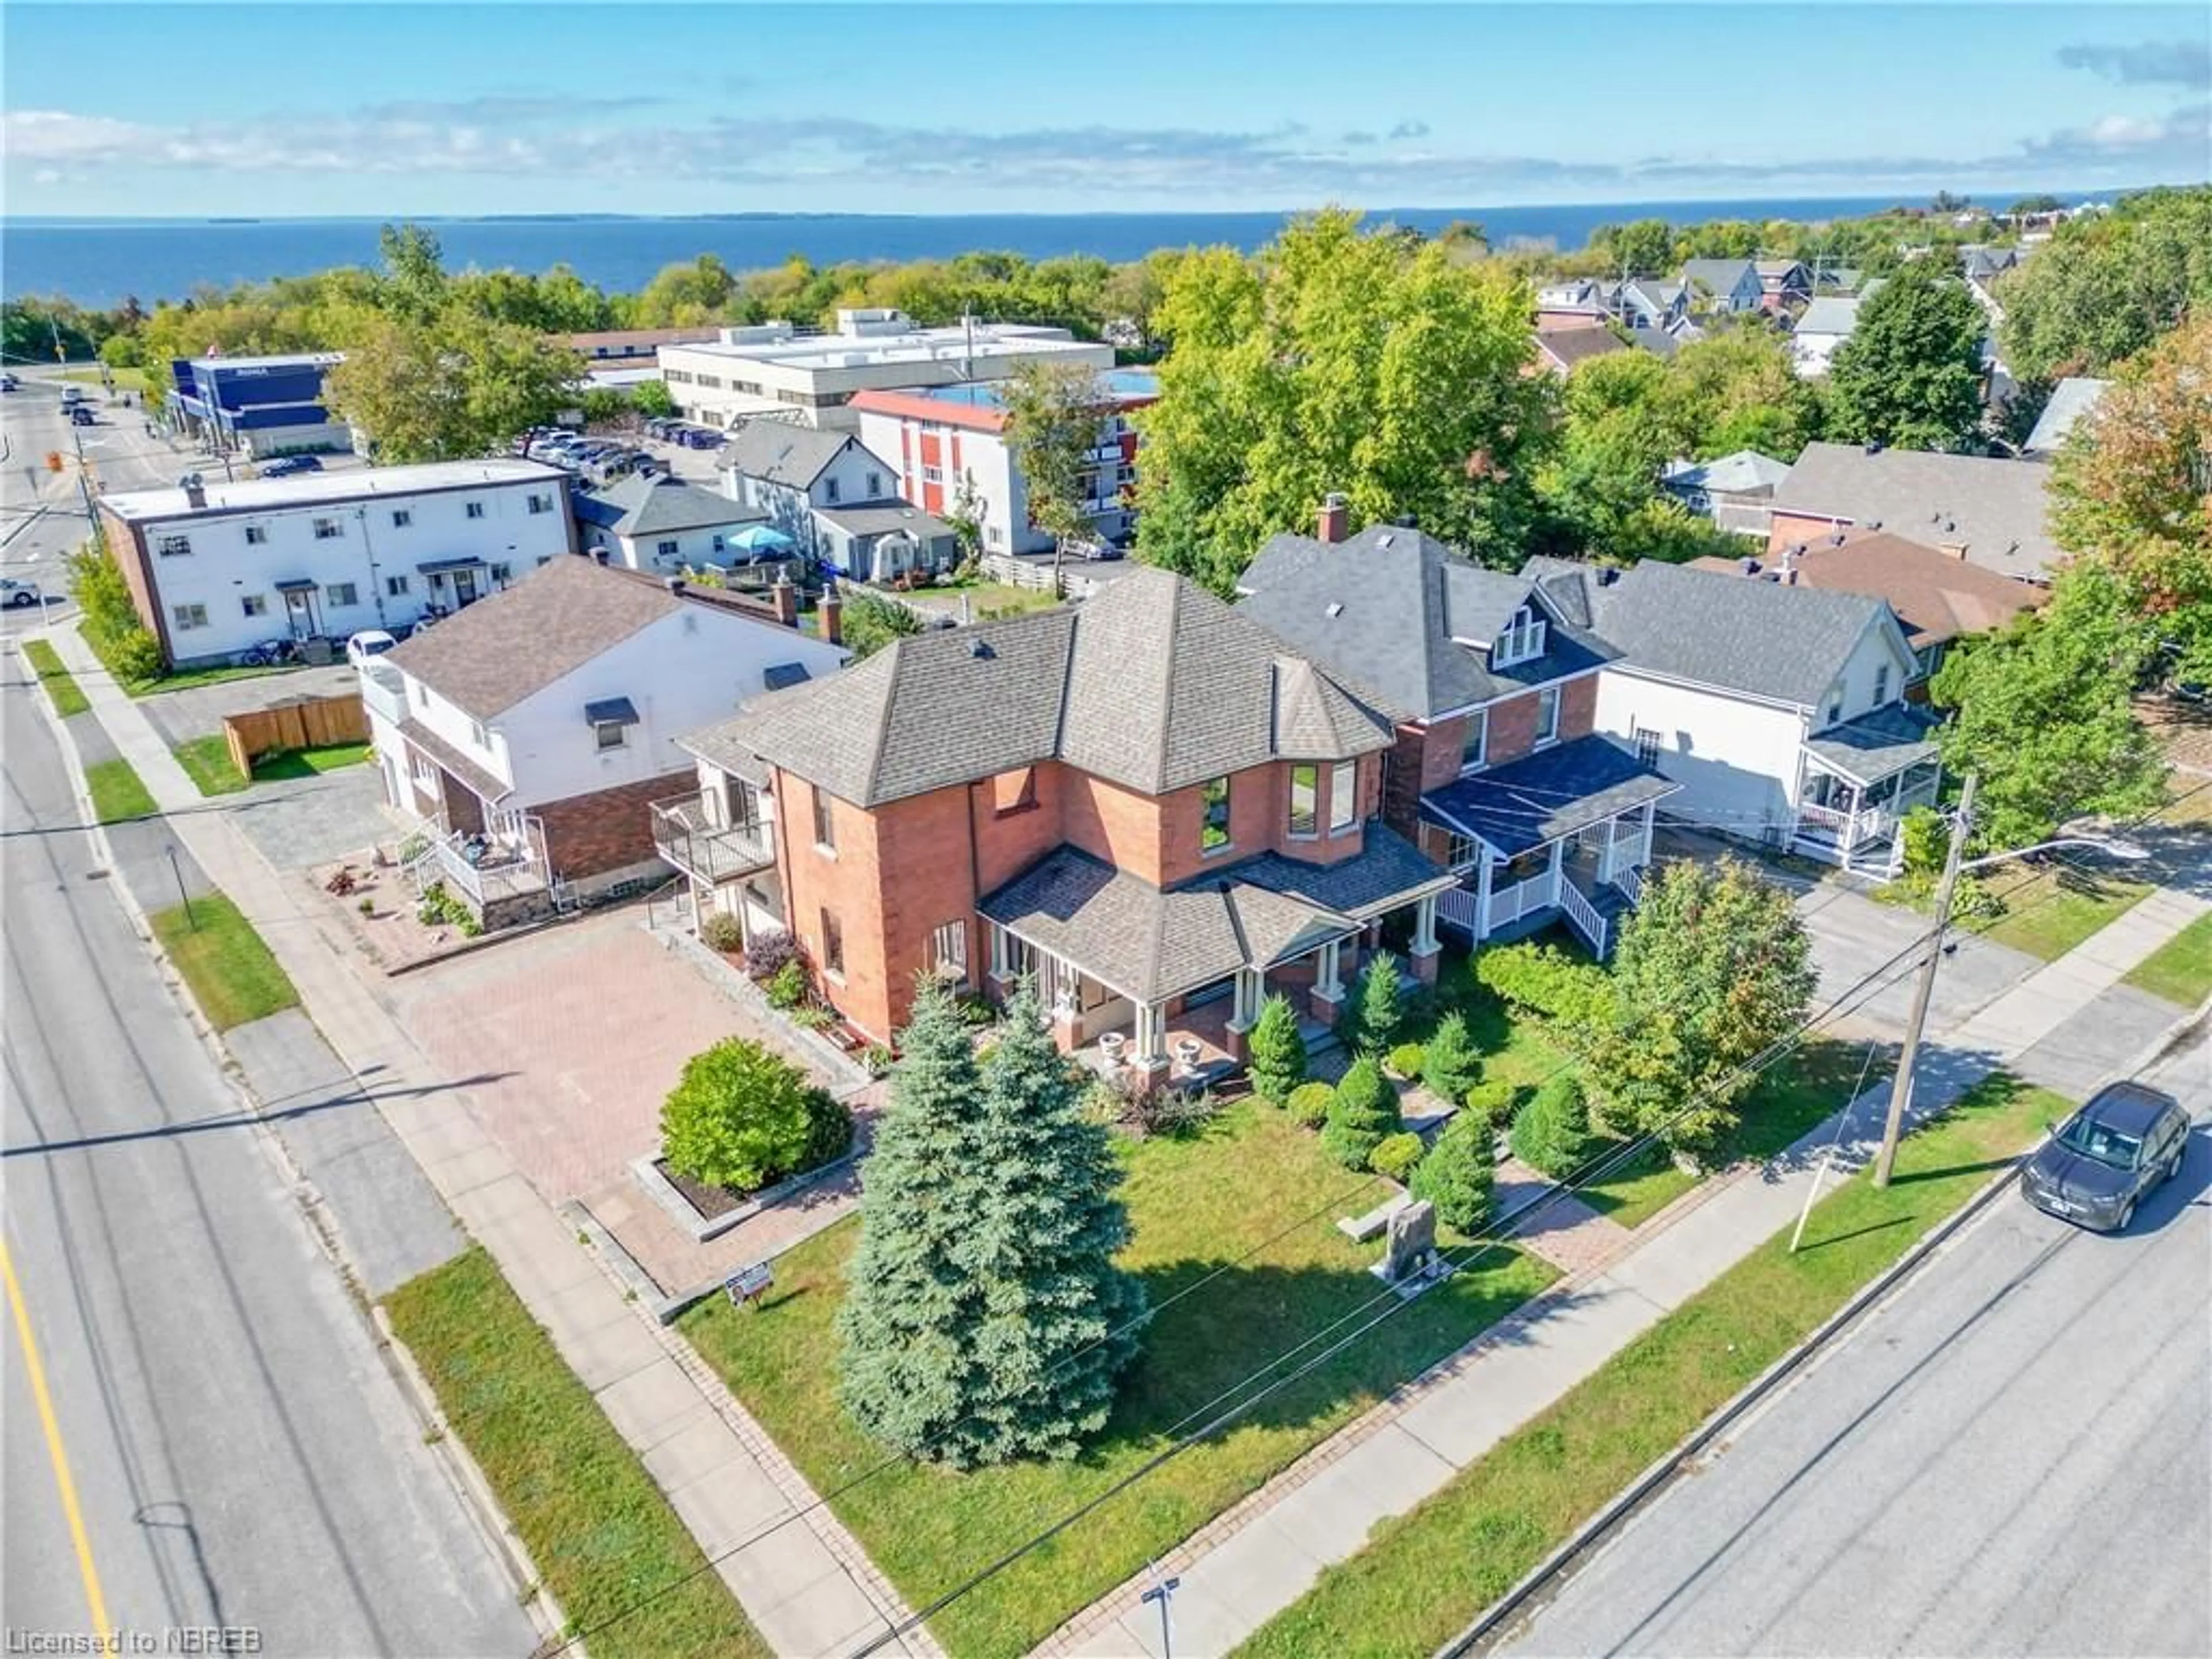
(606, 830)
(1578, 707)
(1008, 843)
(126, 545)
(1119, 825)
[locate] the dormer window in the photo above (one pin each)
(1522, 638)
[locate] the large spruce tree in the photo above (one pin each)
(987, 1320)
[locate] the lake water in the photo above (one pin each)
(97, 262)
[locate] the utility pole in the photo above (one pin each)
(1900, 1090)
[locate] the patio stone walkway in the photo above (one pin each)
(1567, 1233)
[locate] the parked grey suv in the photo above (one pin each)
(2107, 1157)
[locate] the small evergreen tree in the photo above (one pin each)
(1450, 1066)
(1551, 1134)
(1363, 1113)
(1377, 1007)
(987, 1320)
(1278, 1061)
(1459, 1173)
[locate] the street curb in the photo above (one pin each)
(1493, 1620)
(475, 1493)
(532, 1593)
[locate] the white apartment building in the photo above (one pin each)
(810, 377)
(216, 567)
(951, 440)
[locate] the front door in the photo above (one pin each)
(464, 588)
(299, 614)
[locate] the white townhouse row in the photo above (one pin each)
(216, 567)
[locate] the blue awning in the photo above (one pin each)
(612, 711)
(442, 567)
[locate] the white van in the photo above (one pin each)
(72, 394)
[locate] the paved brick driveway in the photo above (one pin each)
(579, 1032)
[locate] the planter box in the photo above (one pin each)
(699, 1226)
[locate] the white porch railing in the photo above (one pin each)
(1847, 829)
(1630, 879)
(1457, 906)
(1583, 916)
(1522, 898)
(1634, 849)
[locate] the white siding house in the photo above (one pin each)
(216, 567)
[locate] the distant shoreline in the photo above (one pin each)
(98, 263)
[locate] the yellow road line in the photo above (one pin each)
(96, 1603)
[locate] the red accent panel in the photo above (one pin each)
(932, 498)
(955, 455)
(931, 449)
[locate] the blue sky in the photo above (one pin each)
(307, 109)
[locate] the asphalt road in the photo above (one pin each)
(234, 1447)
(2013, 1455)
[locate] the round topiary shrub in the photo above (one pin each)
(741, 1117)
(1395, 1156)
(1309, 1103)
(1363, 1113)
(1493, 1102)
(722, 932)
(1551, 1133)
(1459, 1174)
(1406, 1059)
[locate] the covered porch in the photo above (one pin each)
(1563, 834)
(491, 855)
(1164, 986)
(1855, 783)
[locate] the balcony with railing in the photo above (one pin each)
(688, 837)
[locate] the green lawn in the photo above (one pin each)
(61, 685)
(2180, 970)
(233, 976)
(2048, 910)
(1815, 1082)
(1196, 1204)
(1424, 1575)
(118, 792)
(206, 761)
(187, 680)
(590, 1516)
(126, 380)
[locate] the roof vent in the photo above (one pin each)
(1750, 567)
(1336, 610)
(1836, 540)
(1873, 524)
(1383, 540)
(1874, 446)
(1607, 575)
(981, 650)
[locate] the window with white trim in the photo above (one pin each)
(1548, 716)
(833, 943)
(395, 587)
(401, 518)
(875, 485)
(1460, 850)
(502, 573)
(830, 489)
(172, 547)
(1305, 802)
(541, 504)
(1880, 684)
(1522, 638)
(1213, 828)
(256, 535)
(339, 595)
(1343, 796)
(474, 509)
(254, 604)
(329, 530)
(664, 550)
(1010, 956)
(948, 952)
(1476, 755)
(825, 821)
(188, 616)
(1647, 744)
(612, 734)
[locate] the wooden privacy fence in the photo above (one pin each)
(310, 723)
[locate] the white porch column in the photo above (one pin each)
(1326, 984)
(1852, 822)
(1605, 855)
(1556, 871)
(1148, 1037)
(1426, 943)
(1250, 992)
(1650, 813)
(1482, 896)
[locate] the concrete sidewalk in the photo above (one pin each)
(1258, 1558)
(806, 1585)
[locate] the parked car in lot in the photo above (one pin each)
(8, 383)
(368, 643)
(286, 466)
(81, 415)
(2105, 1159)
(20, 596)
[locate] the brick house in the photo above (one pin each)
(1150, 802)
(532, 734)
(1495, 769)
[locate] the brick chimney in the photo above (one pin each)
(831, 615)
(785, 598)
(1336, 519)
(195, 490)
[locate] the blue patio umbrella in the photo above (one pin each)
(762, 540)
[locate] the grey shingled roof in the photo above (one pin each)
(1787, 644)
(1153, 683)
(479, 782)
(1878, 743)
(1744, 472)
(1546, 795)
(783, 453)
(492, 654)
(656, 504)
(2070, 399)
(1384, 609)
(1719, 275)
(1389, 871)
(880, 518)
(1830, 314)
(1995, 506)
